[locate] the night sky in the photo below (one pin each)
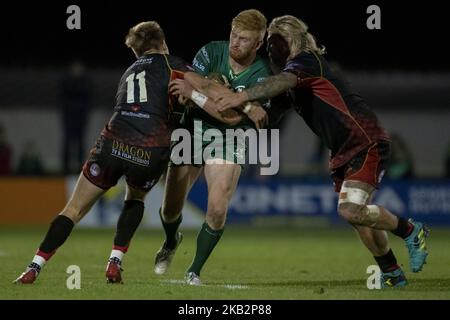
(412, 36)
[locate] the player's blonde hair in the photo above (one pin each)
(145, 36)
(295, 31)
(251, 20)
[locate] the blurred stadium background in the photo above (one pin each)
(401, 70)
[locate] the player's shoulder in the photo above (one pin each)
(175, 59)
(214, 47)
(217, 44)
(307, 62)
(262, 66)
(178, 63)
(210, 55)
(131, 68)
(262, 62)
(145, 61)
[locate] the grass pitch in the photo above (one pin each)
(248, 263)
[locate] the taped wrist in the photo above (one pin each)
(248, 107)
(198, 98)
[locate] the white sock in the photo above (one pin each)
(39, 260)
(117, 254)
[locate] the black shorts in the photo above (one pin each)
(367, 166)
(110, 159)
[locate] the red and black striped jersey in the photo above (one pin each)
(334, 112)
(143, 104)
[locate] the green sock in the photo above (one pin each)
(171, 229)
(206, 241)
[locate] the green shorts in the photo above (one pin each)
(210, 144)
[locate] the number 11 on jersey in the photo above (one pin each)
(141, 86)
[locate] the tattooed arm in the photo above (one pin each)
(255, 111)
(272, 86)
(183, 88)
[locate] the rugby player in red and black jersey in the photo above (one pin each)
(135, 143)
(358, 144)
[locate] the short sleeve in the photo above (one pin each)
(295, 66)
(179, 64)
(202, 61)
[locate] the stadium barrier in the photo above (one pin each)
(424, 200)
(32, 201)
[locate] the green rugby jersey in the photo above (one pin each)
(213, 57)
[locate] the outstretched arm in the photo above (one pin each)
(270, 87)
(254, 112)
(206, 86)
(183, 88)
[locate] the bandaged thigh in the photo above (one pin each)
(359, 197)
(353, 195)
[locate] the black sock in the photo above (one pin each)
(388, 262)
(171, 229)
(59, 231)
(129, 220)
(404, 228)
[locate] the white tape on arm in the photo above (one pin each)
(248, 107)
(198, 98)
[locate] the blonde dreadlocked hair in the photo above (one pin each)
(295, 32)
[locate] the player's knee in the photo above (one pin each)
(169, 213)
(73, 212)
(216, 222)
(351, 212)
(134, 194)
(216, 210)
(222, 188)
(172, 208)
(216, 216)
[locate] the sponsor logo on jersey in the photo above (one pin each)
(131, 153)
(150, 184)
(135, 115)
(144, 61)
(198, 65)
(239, 88)
(94, 169)
(205, 54)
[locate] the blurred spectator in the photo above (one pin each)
(401, 165)
(30, 163)
(5, 153)
(75, 103)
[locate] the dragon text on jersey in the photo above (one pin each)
(131, 153)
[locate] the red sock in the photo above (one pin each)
(45, 255)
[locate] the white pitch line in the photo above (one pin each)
(3, 254)
(173, 281)
(227, 286)
(235, 286)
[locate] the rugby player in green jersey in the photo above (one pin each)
(238, 61)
